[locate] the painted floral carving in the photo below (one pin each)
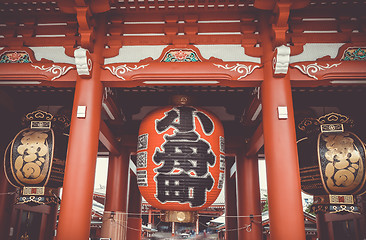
(240, 68)
(354, 54)
(122, 69)
(15, 57)
(181, 55)
(313, 68)
(54, 69)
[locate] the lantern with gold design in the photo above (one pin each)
(332, 163)
(180, 160)
(32, 160)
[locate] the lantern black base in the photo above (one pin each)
(38, 200)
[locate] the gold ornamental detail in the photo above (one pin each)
(31, 156)
(341, 162)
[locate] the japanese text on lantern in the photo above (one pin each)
(180, 158)
(185, 158)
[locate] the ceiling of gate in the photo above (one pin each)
(229, 104)
(161, 22)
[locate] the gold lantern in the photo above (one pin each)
(32, 160)
(332, 163)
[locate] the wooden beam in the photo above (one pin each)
(111, 109)
(107, 139)
(256, 142)
(250, 117)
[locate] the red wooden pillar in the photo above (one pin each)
(149, 224)
(134, 221)
(283, 178)
(115, 211)
(321, 226)
(77, 196)
(230, 202)
(6, 204)
(248, 195)
(51, 221)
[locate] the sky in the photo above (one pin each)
(101, 173)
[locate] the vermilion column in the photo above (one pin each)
(115, 210)
(6, 203)
(230, 202)
(321, 226)
(51, 221)
(248, 195)
(283, 178)
(77, 195)
(134, 210)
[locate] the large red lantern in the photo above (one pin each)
(180, 158)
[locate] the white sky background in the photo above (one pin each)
(101, 174)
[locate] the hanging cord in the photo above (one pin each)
(247, 227)
(200, 215)
(8, 193)
(126, 213)
(118, 222)
(235, 216)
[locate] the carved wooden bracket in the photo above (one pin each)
(281, 61)
(280, 26)
(86, 31)
(84, 63)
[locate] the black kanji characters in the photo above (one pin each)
(184, 173)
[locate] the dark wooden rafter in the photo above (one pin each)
(251, 116)
(107, 139)
(111, 110)
(84, 13)
(70, 23)
(256, 142)
(180, 5)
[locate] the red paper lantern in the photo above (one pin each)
(180, 158)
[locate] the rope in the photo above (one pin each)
(8, 193)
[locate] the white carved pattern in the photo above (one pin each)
(83, 63)
(54, 69)
(240, 68)
(122, 69)
(313, 68)
(281, 61)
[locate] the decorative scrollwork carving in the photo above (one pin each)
(54, 69)
(122, 69)
(313, 68)
(83, 62)
(240, 68)
(281, 60)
